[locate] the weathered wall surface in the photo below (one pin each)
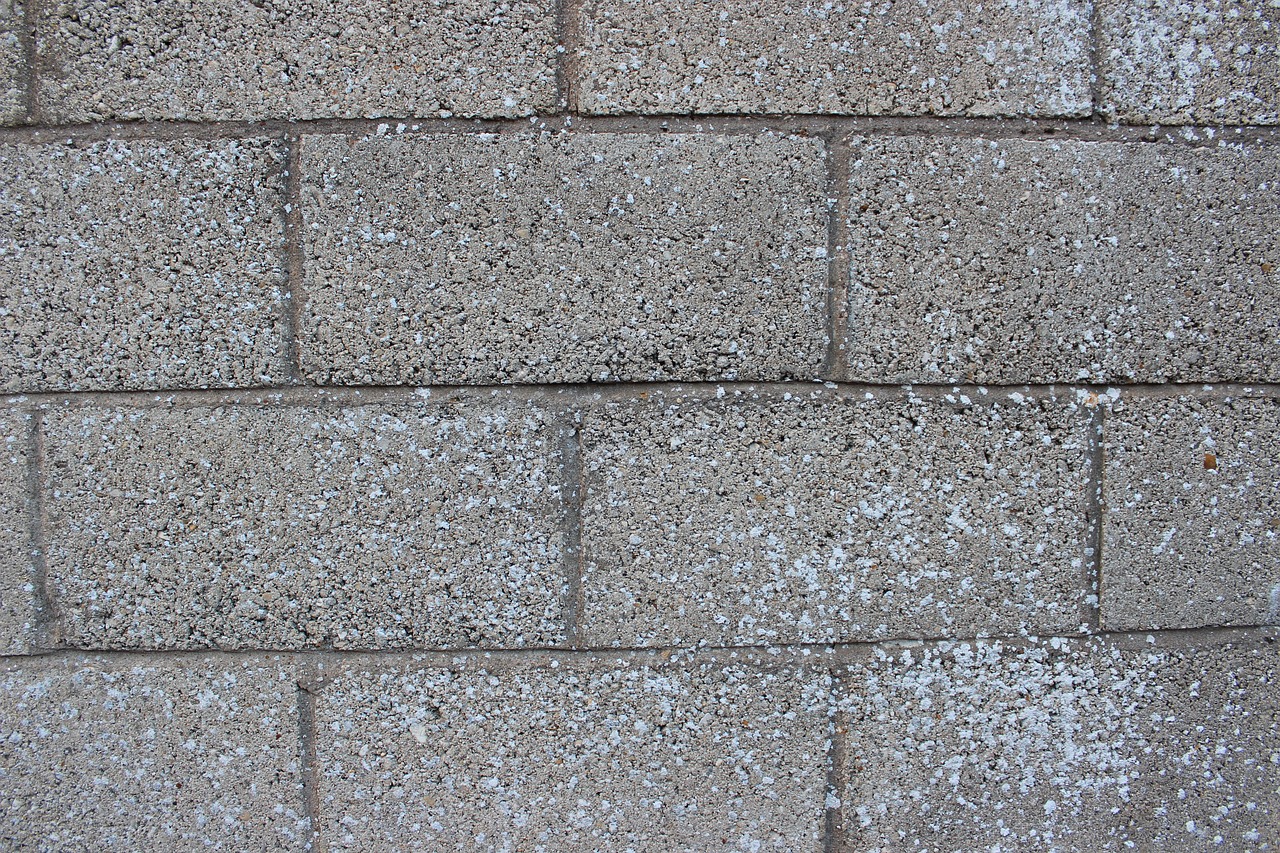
(639, 425)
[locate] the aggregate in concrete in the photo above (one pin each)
(206, 60)
(141, 264)
(1192, 530)
(559, 753)
(1063, 747)
(1010, 261)
(426, 524)
(1209, 62)
(766, 518)
(178, 753)
(1023, 57)
(12, 90)
(562, 258)
(16, 570)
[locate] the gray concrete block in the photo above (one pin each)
(766, 518)
(1063, 747)
(12, 58)
(16, 572)
(205, 60)
(665, 56)
(1192, 530)
(406, 523)
(467, 258)
(141, 264)
(570, 752)
(1212, 62)
(1013, 261)
(134, 753)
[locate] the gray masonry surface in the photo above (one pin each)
(1024, 57)
(419, 522)
(216, 61)
(178, 753)
(639, 753)
(1062, 745)
(640, 426)
(1007, 261)
(1192, 533)
(1188, 63)
(141, 264)
(818, 517)
(562, 258)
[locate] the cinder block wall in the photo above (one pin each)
(639, 425)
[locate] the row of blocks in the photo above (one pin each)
(1146, 61)
(1101, 745)
(416, 258)
(722, 516)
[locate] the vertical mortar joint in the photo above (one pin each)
(1093, 513)
(46, 626)
(308, 685)
(832, 367)
(293, 260)
(570, 451)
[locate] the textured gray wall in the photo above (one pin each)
(639, 425)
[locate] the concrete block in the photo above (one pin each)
(206, 60)
(1062, 747)
(141, 264)
(1023, 57)
(1192, 496)
(408, 523)
(1011, 261)
(16, 572)
(559, 753)
(1209, 62)
(173, 753)
(467, 258)
(764, 518)
(12, 58)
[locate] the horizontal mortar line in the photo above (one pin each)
(1164, 638)
(1087, 129)
(611, 391)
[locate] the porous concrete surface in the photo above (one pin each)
(16, 570)
(207, 60)
(141, 264)
(12, 90)
(1192, 495)
(1204, 62)
(1062, 746)
(175, 753)
(1006, 261)
(1021, 57)
(817, 517)
(576, 752)
(424, 523)
(562, 257)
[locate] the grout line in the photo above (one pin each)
(310, 765)
(1094, 509)
(1095, 66)
(571, 527)
(29, 78)
(47, 630)
(833, 838)
(293, 259)
(1084, 129)
(568, 13)
(833, 366)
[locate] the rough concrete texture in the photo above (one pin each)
(16, 575)
(141, 264)
(468, 258)
(1019, 57)
(564, 753)
(256, 59)
(783, 518)
(1063, 747)
(1205, 62)
(1010, 261)
(1192, 496)
(12, 88)
(426, 524)
(179, 753)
